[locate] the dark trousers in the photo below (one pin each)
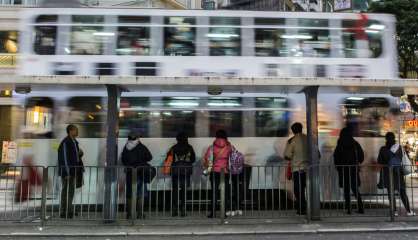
(141, 195)
(240, 188)
(299, 187)
(400, 186)
(67, 195)
(215, 194)
(351, 180)
(179, 184)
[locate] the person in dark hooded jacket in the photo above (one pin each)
(388, 155)
(348, 155)
(181, 169)
(135, 155)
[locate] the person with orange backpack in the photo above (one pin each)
(179, 164)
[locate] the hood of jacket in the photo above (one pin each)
(131, 144)
(220, 142)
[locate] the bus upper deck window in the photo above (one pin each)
(268, 41)
(180, 36)
(352, 36)
(133, 39)
(45, 40)
(87, 38)
(224, 36)
(312, 39)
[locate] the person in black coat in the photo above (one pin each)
(348, 155)
(136, 155)
(181, 169)
(70, 167)
(390, 156)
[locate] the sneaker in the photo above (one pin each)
(238, 212)
(396, 214)
(411, 213)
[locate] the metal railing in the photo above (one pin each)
(126, 195)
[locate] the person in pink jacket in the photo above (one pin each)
(215, 161)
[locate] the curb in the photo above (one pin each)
(149, 234)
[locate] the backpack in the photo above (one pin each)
(181, 165)
(236, 162)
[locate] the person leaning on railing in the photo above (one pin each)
(390, 156)
(71, 169)
(181, 168)
(348, 156)
(296, 151)
(135, 156)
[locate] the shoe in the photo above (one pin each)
(238, 212)
(411, 213)
(396, 214)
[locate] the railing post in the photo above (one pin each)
(391, 195)
(43, 199)
(222, 185)
(133, 206)
(308, 194)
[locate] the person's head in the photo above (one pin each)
(390, 138)
(221, 134)
(133, 135)
(296, 128)
(346, 133)
(72, 131)
(181, 137)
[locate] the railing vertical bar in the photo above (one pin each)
(273, 210)
(43, 199)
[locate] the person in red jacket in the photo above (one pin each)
(215, 161)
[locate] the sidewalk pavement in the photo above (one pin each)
(102, 230)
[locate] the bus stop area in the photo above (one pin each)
(265, 203)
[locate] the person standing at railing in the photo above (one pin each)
(296, 151)
(215, 161)
(136, 155)
(182, 158)
(71, 169)
(348, 155)
(390, 156)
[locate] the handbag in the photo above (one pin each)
(406, 163)
(167, 163)
(289, 171)
(79, 178)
